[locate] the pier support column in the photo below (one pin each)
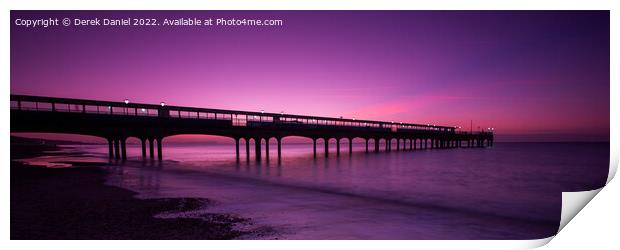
(387, 145)
(117, 150)
(280, 148)
(151, 148)
(410, 144)
(326, 147)
(397, 144)
(314, 146)
(123, 149)
(110, 148)
(143, 144)
(257, 150)
(247, 149)
(376, 145)
(350, 146)
(237, 148)
(415, 143)
(425, 143)
(159, 149)
(267, 149)
(366, 145)
(338, 147)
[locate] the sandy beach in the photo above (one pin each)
(74, 203)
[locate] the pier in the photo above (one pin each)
(151, 123)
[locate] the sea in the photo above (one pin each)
(507, 191)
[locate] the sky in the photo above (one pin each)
(531, 75)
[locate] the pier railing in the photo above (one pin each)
(237, 117)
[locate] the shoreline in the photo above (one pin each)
(75, 203)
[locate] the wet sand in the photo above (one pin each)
(74, 203)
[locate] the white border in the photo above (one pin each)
(577, 235)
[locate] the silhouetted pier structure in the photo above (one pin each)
(151, 123)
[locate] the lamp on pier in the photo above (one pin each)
(126, 101)
(162, 104)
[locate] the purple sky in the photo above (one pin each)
(533, 75)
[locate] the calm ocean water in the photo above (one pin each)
(509, 191)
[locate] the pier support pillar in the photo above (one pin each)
(376, 145)
(159, 149)
(110, 149)
(397, 144)
(247, 149)
(387, 145)
(326, 147)
(151, 148)
(117, 150)
(366, 145)
(350, 146)
(338, 147)
(143, 144)
(257, 150)
(267, 149)
(123, 149)
(280, 148)
(314, 146)
(237, 148)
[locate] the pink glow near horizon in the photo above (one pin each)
(523, 73)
